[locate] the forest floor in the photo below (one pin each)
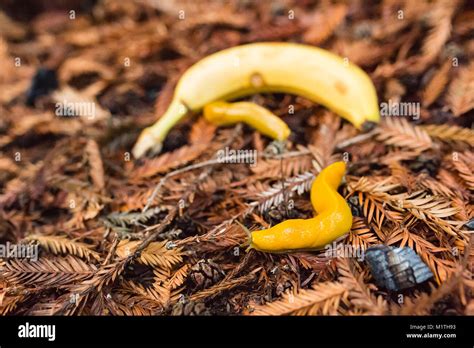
(159, 235)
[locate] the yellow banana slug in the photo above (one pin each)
(267, 123)
(334, 218)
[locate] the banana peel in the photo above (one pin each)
(303, 70)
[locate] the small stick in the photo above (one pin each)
(111, 250)
(357, 139)
(166, 221)
(215, 161)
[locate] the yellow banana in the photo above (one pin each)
(308, 71)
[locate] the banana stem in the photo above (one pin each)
(152, 138)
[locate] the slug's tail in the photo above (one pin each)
(324, 195)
